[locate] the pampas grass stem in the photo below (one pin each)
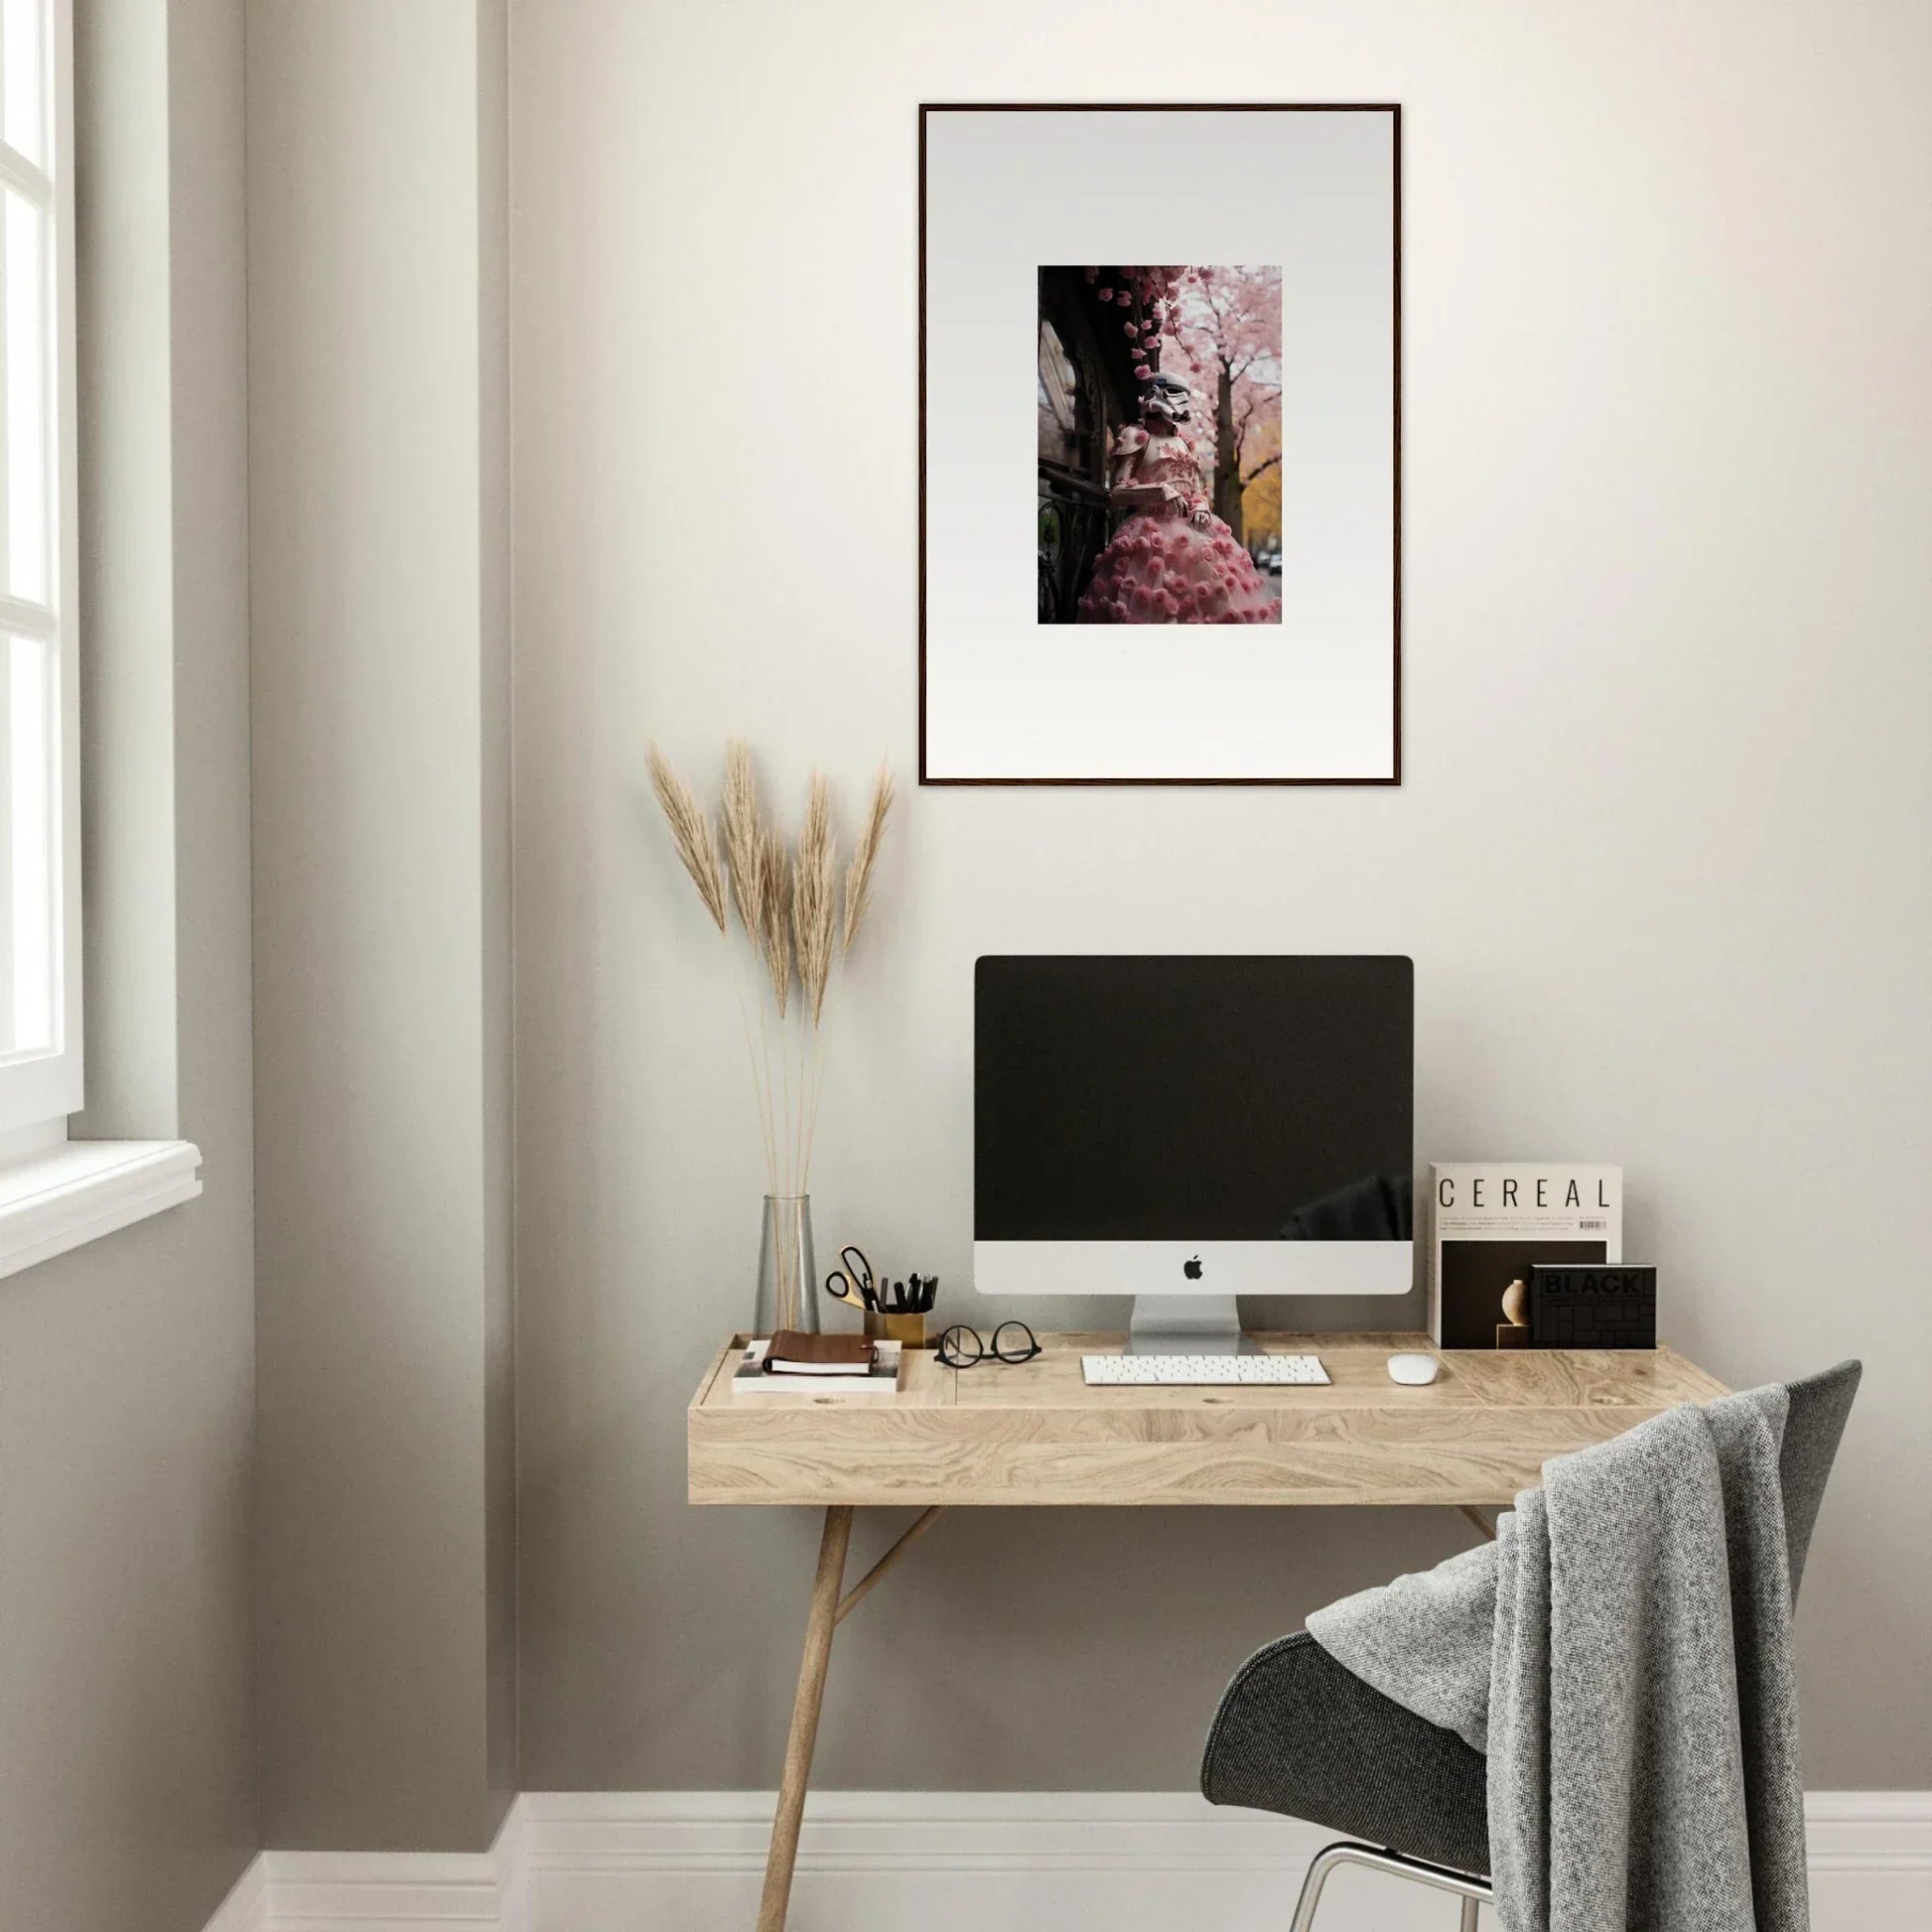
(691, 835)
(857, 877)
(696, 846)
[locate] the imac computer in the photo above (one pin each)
(1189, 1128)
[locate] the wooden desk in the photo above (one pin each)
(1033, 1435)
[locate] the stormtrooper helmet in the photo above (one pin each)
(1167, 398)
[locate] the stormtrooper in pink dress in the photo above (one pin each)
(1174, 560)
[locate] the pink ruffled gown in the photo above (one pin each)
(1160, 567)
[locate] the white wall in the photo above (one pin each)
(1659, 855)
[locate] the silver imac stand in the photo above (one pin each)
(1186, 1324)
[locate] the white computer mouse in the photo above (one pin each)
(1414, 1370)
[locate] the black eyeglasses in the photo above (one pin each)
(1013, 1341)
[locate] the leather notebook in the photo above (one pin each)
(795, 1353)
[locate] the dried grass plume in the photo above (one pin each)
(858, 876)
(744, 851)
(797, 924)
(691, 834)
(814, 896)
(775, 913)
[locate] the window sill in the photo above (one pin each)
(78, 1191)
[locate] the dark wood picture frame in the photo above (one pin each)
(1391, 108)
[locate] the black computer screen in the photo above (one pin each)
(1199, 1098)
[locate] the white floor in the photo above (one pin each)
(957, 1862)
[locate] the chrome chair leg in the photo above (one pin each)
(1320, 1866)
(1473, 1892)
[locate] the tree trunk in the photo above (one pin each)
(1227, 458)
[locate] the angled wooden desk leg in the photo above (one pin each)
(804, 1718)
(1479, 1519)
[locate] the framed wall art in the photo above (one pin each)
(1159, 445)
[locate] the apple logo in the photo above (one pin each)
(1191, 1268)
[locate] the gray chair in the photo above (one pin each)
(1299, 1733)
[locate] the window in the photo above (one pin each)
(39, 888)
(1061, 440)
(55, 1192)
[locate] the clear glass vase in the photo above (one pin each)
(787, 1273)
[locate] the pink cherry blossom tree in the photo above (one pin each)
(1223, 338)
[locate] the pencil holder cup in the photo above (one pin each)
(907, 1330)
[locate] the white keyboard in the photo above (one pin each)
(1201, 1371)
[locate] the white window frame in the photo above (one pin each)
(55, 1192)
(39, 1089)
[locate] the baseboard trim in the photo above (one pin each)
(1006, 1861)
(384, 1891)
(245, 1909)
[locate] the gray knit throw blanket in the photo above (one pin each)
(1622, 1652)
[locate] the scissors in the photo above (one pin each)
(852, 1281)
